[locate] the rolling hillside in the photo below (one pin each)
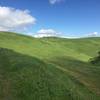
(48, 68)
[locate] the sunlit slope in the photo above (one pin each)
(48, 68)
(46, 48)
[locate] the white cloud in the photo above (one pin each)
(93, 34)
(47, 33)
(55, 1)
(14, 19)
(51, 33)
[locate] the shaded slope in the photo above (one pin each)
(28, 78)
(25, 78)
(85, 72)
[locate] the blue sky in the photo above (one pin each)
(70, 17)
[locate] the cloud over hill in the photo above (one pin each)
(47, 33)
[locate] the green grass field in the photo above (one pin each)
(48, 68)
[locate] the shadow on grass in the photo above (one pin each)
(83, 72)
(27, 78)
(13, 61)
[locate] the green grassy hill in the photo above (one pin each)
(48, 68)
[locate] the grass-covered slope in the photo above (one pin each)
(80, 49)
(48, 68)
